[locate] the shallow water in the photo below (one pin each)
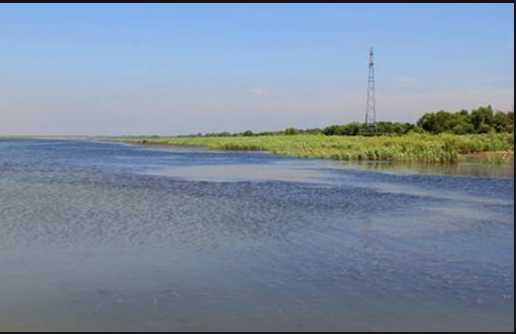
(97, 236)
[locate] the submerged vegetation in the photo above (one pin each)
(442, 137)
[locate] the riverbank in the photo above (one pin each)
(443, 148)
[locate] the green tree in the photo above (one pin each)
(291, 131)
(502, 122)
(482, 118)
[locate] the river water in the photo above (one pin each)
(102, 236)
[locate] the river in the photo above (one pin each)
(104, 236)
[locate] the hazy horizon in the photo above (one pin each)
(176, 69)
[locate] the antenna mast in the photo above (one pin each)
(371, 99)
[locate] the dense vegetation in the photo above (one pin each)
(351, 129)
(444, 148)
(380, 128)
(479, 121)
(437, 137)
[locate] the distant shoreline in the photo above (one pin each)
(449, 149)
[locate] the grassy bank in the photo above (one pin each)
(444, 148)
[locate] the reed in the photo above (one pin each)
(443, 148)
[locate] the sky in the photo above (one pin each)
(169, 69)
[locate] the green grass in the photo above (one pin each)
(444, 148)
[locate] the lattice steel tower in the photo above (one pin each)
(370, 118)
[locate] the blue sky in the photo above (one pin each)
(173, 69)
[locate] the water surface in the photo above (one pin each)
(97, 236)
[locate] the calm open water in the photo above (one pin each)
(97, 236)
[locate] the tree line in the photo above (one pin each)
(479, 121)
